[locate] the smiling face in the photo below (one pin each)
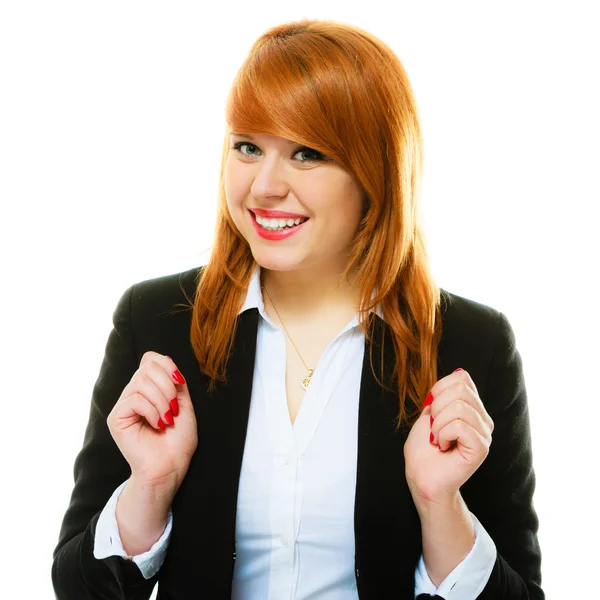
(284, 183)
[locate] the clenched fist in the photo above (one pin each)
(449, 441)
(154, 424)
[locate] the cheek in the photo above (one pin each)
(228, 178)
(233, 185)
(345, 198)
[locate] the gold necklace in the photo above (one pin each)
(305, 381)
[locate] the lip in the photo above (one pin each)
(275, 235)
(276, 214)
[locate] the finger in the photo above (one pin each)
(158, 375)
(459, 390)
(150, 355)
(167, 363)
(175, 375)
(183, 397)
(143, 384)
(460, 410)
(128, 411)
(452, 379)
(469, 442)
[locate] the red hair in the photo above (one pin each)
(339, 90)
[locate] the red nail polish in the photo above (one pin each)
(178, 377)
(459, 369)
(174, 407)
(169, 418)
(431, 421)
(161, 424)
(428, 400)
(431, 438)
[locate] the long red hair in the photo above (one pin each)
(339, 90)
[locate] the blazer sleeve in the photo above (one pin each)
(501, 495)
(99, 469)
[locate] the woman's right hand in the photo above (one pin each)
(156, 394)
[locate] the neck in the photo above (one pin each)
(313, 290)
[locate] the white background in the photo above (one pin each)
(111, 123)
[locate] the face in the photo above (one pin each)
(272, 182)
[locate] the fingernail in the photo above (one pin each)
(178, 377)
(174, 406)
(459, 369)
(169, 418)
(431, 421)
(428, 400)
(161, 424)
(431, 438)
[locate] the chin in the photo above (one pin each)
(274, 261)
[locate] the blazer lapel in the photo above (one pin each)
(387, 526)
(204, 509)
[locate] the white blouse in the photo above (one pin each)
(295, 507)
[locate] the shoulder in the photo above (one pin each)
(152, 301)
(460, 314)
(162, 292)
(474, 336)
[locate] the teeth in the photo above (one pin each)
(278, 224)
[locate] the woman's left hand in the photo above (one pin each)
(448, 442)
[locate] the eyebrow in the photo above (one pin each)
(246, 135)
(250, 137)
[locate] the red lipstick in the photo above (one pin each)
(276, 214)
(275, 236)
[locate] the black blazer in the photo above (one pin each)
(201, 553)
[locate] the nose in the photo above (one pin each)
(270, 181)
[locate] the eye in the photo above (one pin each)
(308, 154)
(316, 156)
(238, 147)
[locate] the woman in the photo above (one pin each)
(319, 424)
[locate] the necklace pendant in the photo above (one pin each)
(304, 382)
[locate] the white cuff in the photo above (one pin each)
(469, 577)
(107, 541)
